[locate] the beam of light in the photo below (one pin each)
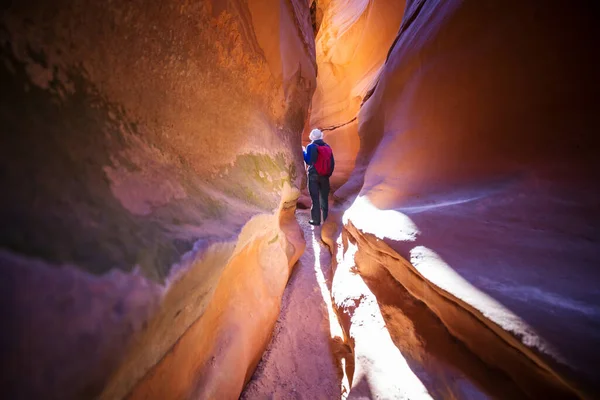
(335, 328)
(397, 226)
(378, 362)
(389, 224)
(435, 270)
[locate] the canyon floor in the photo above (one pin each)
(299, 363)
(306, 360)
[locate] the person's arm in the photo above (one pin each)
(310, 155)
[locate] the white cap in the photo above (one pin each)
(315, 134)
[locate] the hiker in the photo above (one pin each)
(319, 158)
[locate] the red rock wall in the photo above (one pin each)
(351, 45)
(131, 134)
(478, 163)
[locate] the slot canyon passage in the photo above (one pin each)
(154, 226)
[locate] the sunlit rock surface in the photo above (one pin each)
(478, 164)
(352, 42)
(218, 354)
(134, 133)
(400, 348)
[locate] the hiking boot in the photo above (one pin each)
(314, 223)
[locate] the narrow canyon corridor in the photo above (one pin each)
(155, 241)
(299, 362)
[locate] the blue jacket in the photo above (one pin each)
(310, 156)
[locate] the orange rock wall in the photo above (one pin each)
(137, 139)
(478, 164)
(447, 114)
(218, 354)
(351, 45)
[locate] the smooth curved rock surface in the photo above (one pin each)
(400, 347)
(137, 139)
(478, 164)
(299, 361)
(218, 354)
(351, 45)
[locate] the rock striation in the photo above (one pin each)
(351, 45)
(137, 140)
(476, 182)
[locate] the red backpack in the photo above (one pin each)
(323, 163)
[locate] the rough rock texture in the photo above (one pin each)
(132, 134)
(478, 164)
(351, 45)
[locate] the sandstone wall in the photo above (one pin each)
(478, 164)
(351, 45)
(133, 133)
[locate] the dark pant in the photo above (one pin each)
(318, 187)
